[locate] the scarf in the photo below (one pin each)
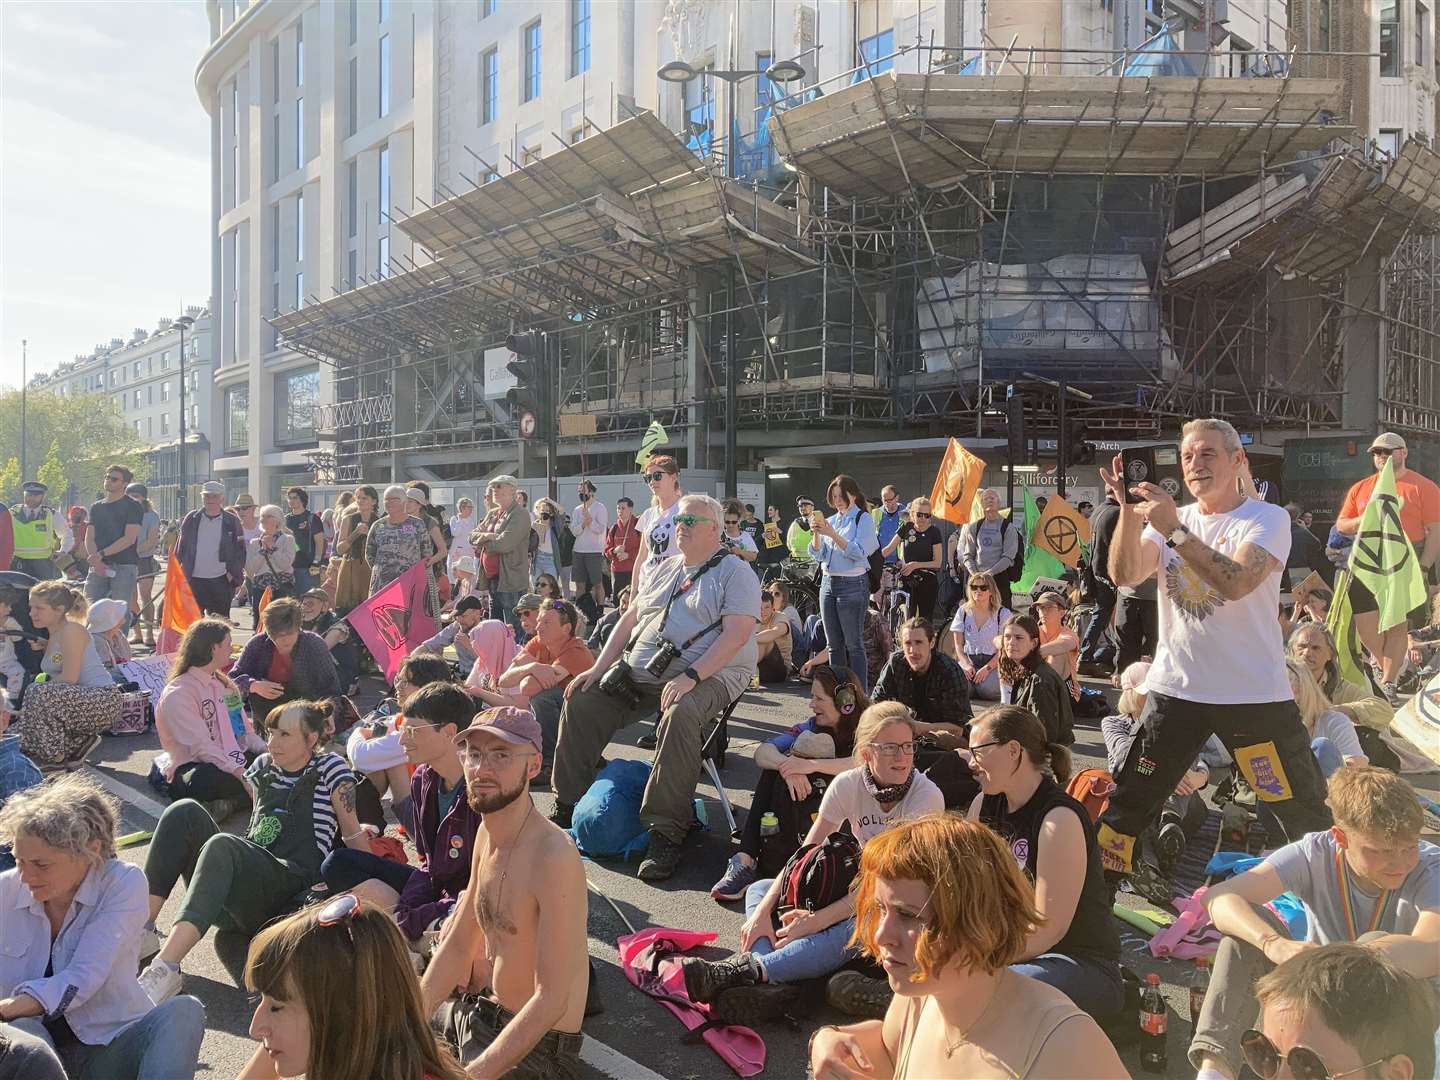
(495, 649)
(886, 793)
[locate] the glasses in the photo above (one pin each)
(691, 520)
(339, 912)
(113, 479)
(920, 514)
(501, 759)
(732, 521)
(1263, 1056)
(979, 588)
(977, 747)
(894, 749)
(653, 477)
(1380, 451)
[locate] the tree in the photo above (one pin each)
(85, 430)
(52, 474)
(10, 481)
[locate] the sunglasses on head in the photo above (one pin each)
(339, 912)
(1264, 1057)
(690, 520)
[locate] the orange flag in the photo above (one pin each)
(1061, 530)
(180, 608)
(265, 599)
(956, 484)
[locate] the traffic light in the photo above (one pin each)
(1015, 414)
(530, 397)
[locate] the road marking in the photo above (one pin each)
(125, 793)
(613, 1063)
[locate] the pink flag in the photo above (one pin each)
(394, 621)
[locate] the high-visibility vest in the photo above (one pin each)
(35, 539)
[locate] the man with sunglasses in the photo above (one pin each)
(1420, 518)
(1368, 878)
(889, 516)
(110, 542)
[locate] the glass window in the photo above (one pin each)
(165, 423)
(385, 75)
(1322, 23)
(489, 86)
(352, 184)
(300, 227)
(490, 174)
(382, 217)
(297, 393)
(275, 238)
(1389, 141)
(487, 7)
(1422, 32)
(136, 401)
(352, 269)
(150, 394)
(299, 132)
(299, 289)
(579, 36)
(1389, 38)
(354, 20)
(531, 87)
(299, 54)
(382, 257)
(237, 417)
(354, 118)
(275, 71)
(872, 50)
(383, 7)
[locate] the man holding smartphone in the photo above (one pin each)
(1220, 664)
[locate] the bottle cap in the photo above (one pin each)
(1153, 979)
(769, 818)
(1202, 961)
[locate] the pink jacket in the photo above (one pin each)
(194, 724)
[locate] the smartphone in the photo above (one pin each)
(817, 518)
(1158, 465)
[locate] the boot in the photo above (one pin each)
(706, 979)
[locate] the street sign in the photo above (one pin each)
(527, 425)
(499, 379)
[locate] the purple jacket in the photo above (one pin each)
(232, 544)
(315, 676)
(445, 849)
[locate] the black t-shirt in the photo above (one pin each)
(1092, 928)
(305, 527)
(107, 523)
(918, 545)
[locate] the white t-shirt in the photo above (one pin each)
(657, 537)
(847, 800)
(590, 541)
(1212, 650)
(744, 541)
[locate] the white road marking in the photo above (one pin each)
(125, 793)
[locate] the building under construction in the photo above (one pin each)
(882, 259)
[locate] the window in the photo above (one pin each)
(1242, 58)
(164, 392)
(150, 394)
(1422, 32)
(1389, 38)
(299, 132)
(529, 154)
(299, 54)
(382, 257)
(579, 36)
(275, 238)
(299, 289)
(275, 146)
(164, 361)
(297, 393)
(164, 423)
(1389, 141)
(352, 268)
(354, 118)
(490, 174)
(300, 227)
(237, 417)
(530, 89)
(136, 402)
(875, 54)
(578, 134)
(383, 214)
(137, 429)
(149, 426)
(385, 75)
(383, 8)
(354, 20)
(487, 7)
(352, 184)
(275, 71)
(489, 86)
(1322, 23)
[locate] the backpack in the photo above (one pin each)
(875, 570)
(1092, 789)
(819, 874)
(1017, 569)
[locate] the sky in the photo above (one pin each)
(104, 173)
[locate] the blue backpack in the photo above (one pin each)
(606, 820)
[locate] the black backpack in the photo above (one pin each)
(819, 874)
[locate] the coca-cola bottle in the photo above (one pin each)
(1199, 987)
(1152, 1026)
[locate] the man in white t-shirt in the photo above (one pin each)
(1220, 665)
(589, 520)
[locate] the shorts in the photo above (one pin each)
(1362, 602)
(588, 569)
(148, 568)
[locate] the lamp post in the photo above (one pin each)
(782, 71)
(184, 322)
(24, 390)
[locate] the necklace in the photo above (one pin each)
(964, 1036)
(504, 874)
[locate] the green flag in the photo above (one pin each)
(1038, 561)
(1341, 624)
(654, 436)
(1383, 559)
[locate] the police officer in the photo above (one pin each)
(40, 530)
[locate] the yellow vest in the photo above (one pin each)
(34, 539)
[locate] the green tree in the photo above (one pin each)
(52, 474)
(10, 481)
(86, 431)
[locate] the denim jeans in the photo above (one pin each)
(1093, 985)
(502, 606)
(545, 564)
(1327, 755)
(804, 958)
(344, 868)
(304, 580)
(119, 587)
(164, 1043)
(843, 601)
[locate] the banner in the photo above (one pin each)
(654, 436)
(265, 598)
(956, 484)
(395, 620)
(180, 609)
(1340, 622)
(1383, 559)
(1038, 561)
(1061, 530)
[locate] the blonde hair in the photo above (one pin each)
(878, 717)
(1308, 696)
(68, 814)
(62, 597)
(1130, 703)
(1376, 802)
(993, 604)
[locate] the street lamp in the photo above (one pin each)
(24, 390)
(184, 322)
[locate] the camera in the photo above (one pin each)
(619, 682)
(666, 653)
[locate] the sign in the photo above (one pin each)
(498, 378)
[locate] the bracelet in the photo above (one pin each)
(1265, 943)
(358, 832)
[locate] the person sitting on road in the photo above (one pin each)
(495, 649)
(302, 967)
(795, 769)
(443, 822)
(516, 948)
(1074, 947)
(284, 663)
(1028, 681)
(932, 684)
(72, 934)
(977, 635)
(1369, 874)
(947, 913)
(304, 799)
(1059, 645)
(527, 613)
(1332, 736)
(694, 656)
(468, 612)
(780, 949)
(1342, 1010)
(772, 638)
(1313, 645)
(800, 644)
(206, 738)
(547, 587)
(606, 623)
(105, 620)
(317, 618)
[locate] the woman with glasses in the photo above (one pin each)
(548, 520)
(794, 768)
(920, 546)
(1021, 773)
(547, 587)
(842, 544)
(735, 539)
(657, 524)
(1028, 681)
(781, 949)
(977, 636)
(345, 950)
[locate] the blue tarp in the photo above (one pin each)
(1160, 56)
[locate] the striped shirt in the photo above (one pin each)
(333, 773)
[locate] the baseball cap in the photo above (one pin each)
(1388, 440)
(517, 726)
(1053, 596)
(316, 594)
(139, 490)
(417, 495)
(1133, 677)
(468, 603)
(212, 487)
(529, 602)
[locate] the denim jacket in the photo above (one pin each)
(95, 955)
(857, 529)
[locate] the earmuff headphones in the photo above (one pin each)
(845, 700)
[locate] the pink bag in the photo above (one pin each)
(1192, 934)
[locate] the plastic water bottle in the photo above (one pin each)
(1199, 987)
(769, 823)
(1153, 1021)
(701, 815)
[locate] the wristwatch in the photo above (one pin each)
(1177, 536)
(692, 674)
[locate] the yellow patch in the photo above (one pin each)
(1117, 851)
(1261, 766)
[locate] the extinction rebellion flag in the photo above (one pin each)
(1383, 559)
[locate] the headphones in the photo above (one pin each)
(845, 700)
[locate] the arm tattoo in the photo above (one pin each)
(346, 794)
(1231, 578)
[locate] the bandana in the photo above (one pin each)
(886, 793)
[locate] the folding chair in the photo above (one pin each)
(712, 758)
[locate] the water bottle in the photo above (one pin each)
(1199, 987)
(769, 824)
(1152, 1026)
(701, 815)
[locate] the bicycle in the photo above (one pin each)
(802, 578)
(894, 599)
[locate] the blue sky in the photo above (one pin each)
(104, 173)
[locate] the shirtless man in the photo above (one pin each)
(520, 1006)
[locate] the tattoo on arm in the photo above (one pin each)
(1232, 578)
(346, 794)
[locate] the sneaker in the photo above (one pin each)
(661, 859)
(705, 980)
(160, 981)
(751, 1005)
(1392, 695)
(1169, 844)
(739, 875)
(561, 814)
(150, 943)
(220, 809)
(648, 741)
(856, 994)
(1094, 669)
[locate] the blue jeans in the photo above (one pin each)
(120, 586)
(545, 564)
(843, 601)
(804, 958)
(304, 580)
(164, 1043)
(1093, 985)
(1327, 755)
(344, 868)
(502, 606)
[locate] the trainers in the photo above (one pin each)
(160, 981)
(661, 859)
(150, 943)
(1169, 844)
(705, 980)
(856, 994)
(1392, 695)
(220, 809)
(739, 875)
(751, 1005)
(561, 814)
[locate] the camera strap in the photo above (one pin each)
(682, 586)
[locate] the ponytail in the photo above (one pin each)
(1061, 764)
(62, 597)
(1011, 723)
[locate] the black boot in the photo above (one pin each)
(661, 859)
(857, 994)
(561, 814)
(706, 979)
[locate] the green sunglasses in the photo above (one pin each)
(691, 520)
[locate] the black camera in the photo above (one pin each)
(619, 682)
(666, 653)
